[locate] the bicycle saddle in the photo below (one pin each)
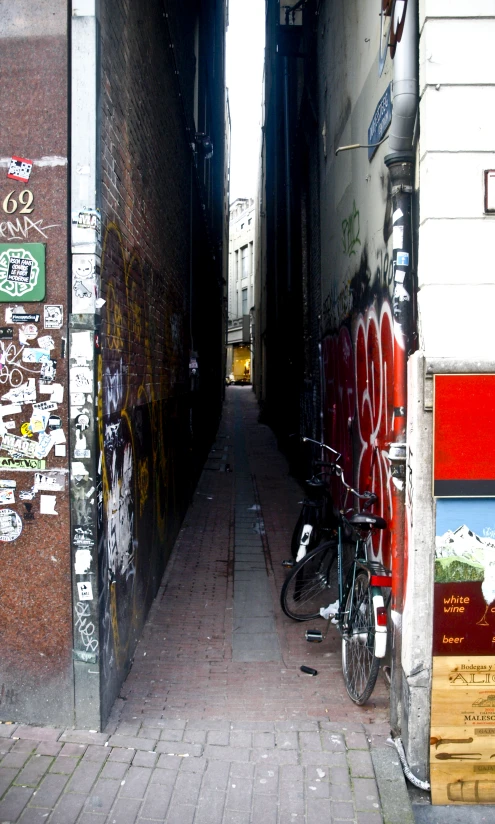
(364, 520)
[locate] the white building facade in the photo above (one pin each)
(241, 289)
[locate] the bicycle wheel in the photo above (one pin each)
(359, 665)
(311, 584)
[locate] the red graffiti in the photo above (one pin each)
(358, 407)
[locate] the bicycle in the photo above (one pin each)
(317, 515)
(358, 611)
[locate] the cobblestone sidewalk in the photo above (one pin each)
(216, 724)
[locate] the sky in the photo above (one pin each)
(245, 52)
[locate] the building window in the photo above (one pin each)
(244, 302)
(245, 261)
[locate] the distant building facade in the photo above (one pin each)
(241, 289)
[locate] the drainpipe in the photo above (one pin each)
(400, 163)
(288, 192)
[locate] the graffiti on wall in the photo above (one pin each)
(358, 405)
(137, 468)
(350, 232)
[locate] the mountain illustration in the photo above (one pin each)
(462, 555)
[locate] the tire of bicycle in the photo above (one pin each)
(307, 516)
(359, 664)
(311, 584)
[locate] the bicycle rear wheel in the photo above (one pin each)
(359, 664)
(311, 584)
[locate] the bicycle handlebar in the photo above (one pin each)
(370, 497)
(322, 445)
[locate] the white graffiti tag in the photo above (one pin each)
(86, 627)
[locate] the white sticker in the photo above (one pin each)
(7, 484)
(83, 561)
(58, 436)
(49, 481)
(7, 496)
(397, 237)
(81, 379)
(85, 590)
(32, 355)
(60, 450)
(57, 393)
(399, 276)
(78, 470)
(45, 406)
(81, 345)
(44, 445)
(26, 393)
(54, 316)
(46, 342)
(397, 215)
(47, 505)
(10, 525)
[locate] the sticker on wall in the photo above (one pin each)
(48, 504)
(27, 494)
(49, 481)
(38, 422)
(85, 275)
(18, 445)
(85, 590)
(54, 422)
(81, 345)
(46, 342)
(34, 355)
(28, 331)
(21, 463)
(83, 537)
(20, 168)
(22, 272)
(56, 390)
(397, 237)
(87, 218)
(26, 393)
(402, 258)
(5, 483)
(53, 316)
(20, 317)
(7, 496)
(26, 429)
(82, 563)
(60, 450)
(44, 445)
(6, 332)
(45, 406)
(48, 370)
(81, 379)
(82, 421)
(10, 525)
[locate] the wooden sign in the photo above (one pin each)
(462, 738)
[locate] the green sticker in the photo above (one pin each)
(22, 272)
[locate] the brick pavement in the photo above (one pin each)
(200, 734)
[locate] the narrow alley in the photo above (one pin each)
(215, 722)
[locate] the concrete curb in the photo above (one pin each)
(394, 798)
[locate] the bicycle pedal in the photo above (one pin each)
(288, 564)
(314, 636)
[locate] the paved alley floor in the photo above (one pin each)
(216, 723)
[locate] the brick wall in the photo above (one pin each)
(35, 580)
(161, 283)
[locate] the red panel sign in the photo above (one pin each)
(464, 436)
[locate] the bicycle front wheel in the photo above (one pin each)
(359, 664)
(311, 584)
